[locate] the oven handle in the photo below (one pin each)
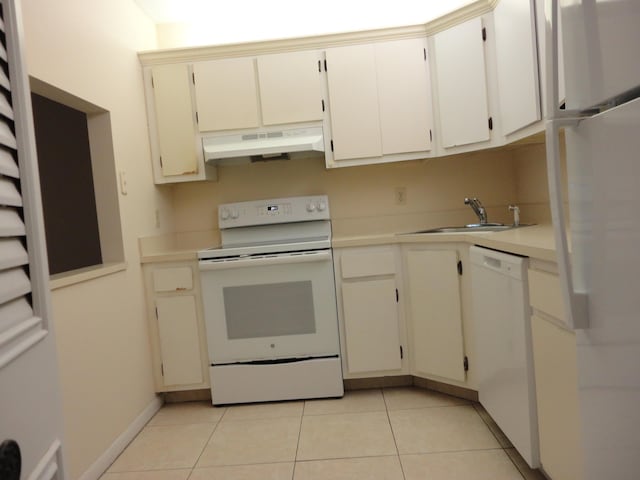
(287, 259)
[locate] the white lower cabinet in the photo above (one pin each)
(372, 334)
(434, 313)
(178, 345)
(556, 374)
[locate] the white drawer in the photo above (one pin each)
(367, 264)
(172, 279)
(545, 294)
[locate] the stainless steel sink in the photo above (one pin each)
(471, 228)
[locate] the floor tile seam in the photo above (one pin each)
(425, 407)
(295, 457)
(205, 467)
(308, 460)
(182, 423)
(466, 450)
(239, 420)
(152, 469)
(204, 447)
(395, 443)
(342, 413)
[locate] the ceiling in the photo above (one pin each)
(248, 20)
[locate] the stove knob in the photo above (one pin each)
(311, 207)
(225, 214)
(322, 206)
(235, 214)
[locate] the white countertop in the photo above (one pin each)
(535, 241)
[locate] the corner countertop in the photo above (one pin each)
(535, 241)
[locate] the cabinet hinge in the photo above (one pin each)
(160, 167)
(425, 54)
(459, 267)
(332, 145)
(484, 34)
(490, 123)
(465, 363)
(162, 369)
(197, 118)
(319, 66)
(397, 296)
(325, 64)
(323, 104)
(401, 353)
(152, 84)
(193, 77)
(430, 135)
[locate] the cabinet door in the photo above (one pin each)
(435, 313)
(179, 340)
(554, 358)
(290, 89)
(462, 84)
(175, 126)
(353, 98)
(517, 64)
(403, 96)
(226, 94)
(371, 325)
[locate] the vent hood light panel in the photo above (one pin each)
(263, 143)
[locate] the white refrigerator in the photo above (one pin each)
(599, 261)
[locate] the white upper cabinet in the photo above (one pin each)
(517, 64)
(379, 102)
(290, 87)
(252, 92)
(404, 96)
(173, 138)
(353, 98)
(462, 84)
(226, 94)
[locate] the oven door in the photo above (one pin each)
(270, 307)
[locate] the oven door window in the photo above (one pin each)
(272, 310)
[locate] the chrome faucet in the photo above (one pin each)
(477, 207)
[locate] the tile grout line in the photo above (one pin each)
(395, 442)
(295, 458)
(208, 440)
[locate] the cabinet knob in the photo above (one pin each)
(311, 207)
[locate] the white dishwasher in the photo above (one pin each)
(504, 357)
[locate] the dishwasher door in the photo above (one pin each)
(506, 384)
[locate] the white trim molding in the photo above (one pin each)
(100, 466)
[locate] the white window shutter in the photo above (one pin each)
(23, 269)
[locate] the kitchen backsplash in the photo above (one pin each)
(363, 199)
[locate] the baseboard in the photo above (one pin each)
(117, 447)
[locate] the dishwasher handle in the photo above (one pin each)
(503, 263)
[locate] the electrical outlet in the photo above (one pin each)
(400, 195)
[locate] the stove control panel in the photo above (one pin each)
(273, 211)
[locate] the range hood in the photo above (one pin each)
(262, 144)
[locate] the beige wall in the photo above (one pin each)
(362, 199)
(88, 48)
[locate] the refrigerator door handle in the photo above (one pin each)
(575, 303)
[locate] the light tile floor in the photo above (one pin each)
(390, 434)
